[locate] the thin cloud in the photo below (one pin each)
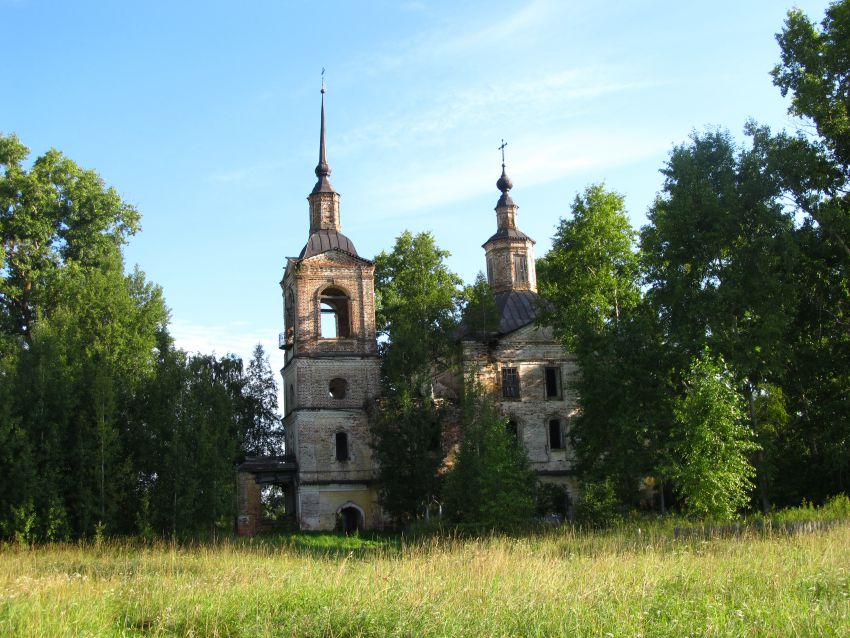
(549, 159)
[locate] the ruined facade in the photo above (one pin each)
(331, 371)
(521, 364)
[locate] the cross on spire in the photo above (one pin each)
(502, 148)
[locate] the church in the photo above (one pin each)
(331, 371)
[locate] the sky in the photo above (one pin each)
(205, 116)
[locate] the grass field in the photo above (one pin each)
(559, 583)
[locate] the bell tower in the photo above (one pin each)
(331, 374)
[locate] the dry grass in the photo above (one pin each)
(562, 583)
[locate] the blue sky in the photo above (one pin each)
(205, 115)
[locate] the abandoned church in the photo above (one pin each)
(331, 371)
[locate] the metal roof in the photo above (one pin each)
(324, 240)
(517, 308)
(509, 233)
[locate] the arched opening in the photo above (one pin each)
(342, 446)
(512, 429)
(335, 321)
(351, 518)
(337, 388)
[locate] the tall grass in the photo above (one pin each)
(558, 583)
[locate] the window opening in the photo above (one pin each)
(341, 446)
(510, 383)
(553, 383)
(511, 427)
(334, 309)
(337, 388)
(556, 438)
(521, 269)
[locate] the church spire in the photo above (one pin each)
(323, 169)
(324, 200)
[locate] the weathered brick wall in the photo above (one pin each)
(305, 280)
(249, 504)
(319, 505)
(530, 350)
(501, 271)
(315, 437)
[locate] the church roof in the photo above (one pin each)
(517, 308)
(324, 240)
(509, 233)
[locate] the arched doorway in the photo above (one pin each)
(351, 518)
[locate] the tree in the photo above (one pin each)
(265, 432)
(480, 316)
(589, 284)
(54, 215)
(417, 297)
(711, 442)
(590, 277)
(720, 258)
(406, 438)
(490, 484)
(78, 336)
(814, 169)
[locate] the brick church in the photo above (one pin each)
(331, 370)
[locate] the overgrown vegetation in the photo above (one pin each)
(631, 581)
(105, 427)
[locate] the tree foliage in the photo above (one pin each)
(104, 425)
(490, 484)
(590, 277)
(479, 316)
(711, 442)
(406, 438)
(589, 283)
(417, 297)
(264, 435)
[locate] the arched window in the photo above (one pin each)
(342, 446)
(337, 388)
(335, 316)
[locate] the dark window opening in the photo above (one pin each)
(512, 429)
(337, 388)
(510, 383)
(341, 446)
(556, 437)
(553, 383)
(289, 315)
(335, 318)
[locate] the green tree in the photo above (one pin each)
(590, 277)
(490, 484)
(711, 442)
(78, 338)
(589, 284)
(814, 168)
(265, 431)
(720, 257)
(417, 297)
(406, 438)
(480, 316)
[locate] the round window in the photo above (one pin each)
(337, 388)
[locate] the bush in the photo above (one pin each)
(598, 506)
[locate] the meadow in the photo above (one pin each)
(633, 581)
